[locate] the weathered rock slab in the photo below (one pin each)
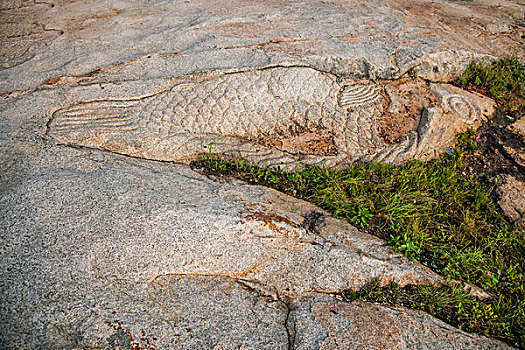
(321, 323)
(73, 236)
(46, 40)
(139, 225)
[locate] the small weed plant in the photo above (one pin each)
(434, 211)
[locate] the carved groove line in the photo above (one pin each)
(355, 96)
(97, 116)
(462, 108)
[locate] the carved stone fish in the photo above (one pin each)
(287, 111)
(272, 116)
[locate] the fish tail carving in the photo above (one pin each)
(99, 116)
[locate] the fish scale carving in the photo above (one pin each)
(240, 108)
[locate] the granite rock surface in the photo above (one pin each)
(512, 199)
(45, 40)
(109, 239)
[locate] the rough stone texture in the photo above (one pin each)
(518, 127)
(511, 193)
(324, 323)
(171, 312)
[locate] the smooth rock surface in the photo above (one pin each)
(370, 39)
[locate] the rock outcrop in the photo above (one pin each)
(109, 239)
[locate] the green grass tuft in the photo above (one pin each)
(448, 302)
(503, 80)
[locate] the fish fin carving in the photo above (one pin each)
(359, 95)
